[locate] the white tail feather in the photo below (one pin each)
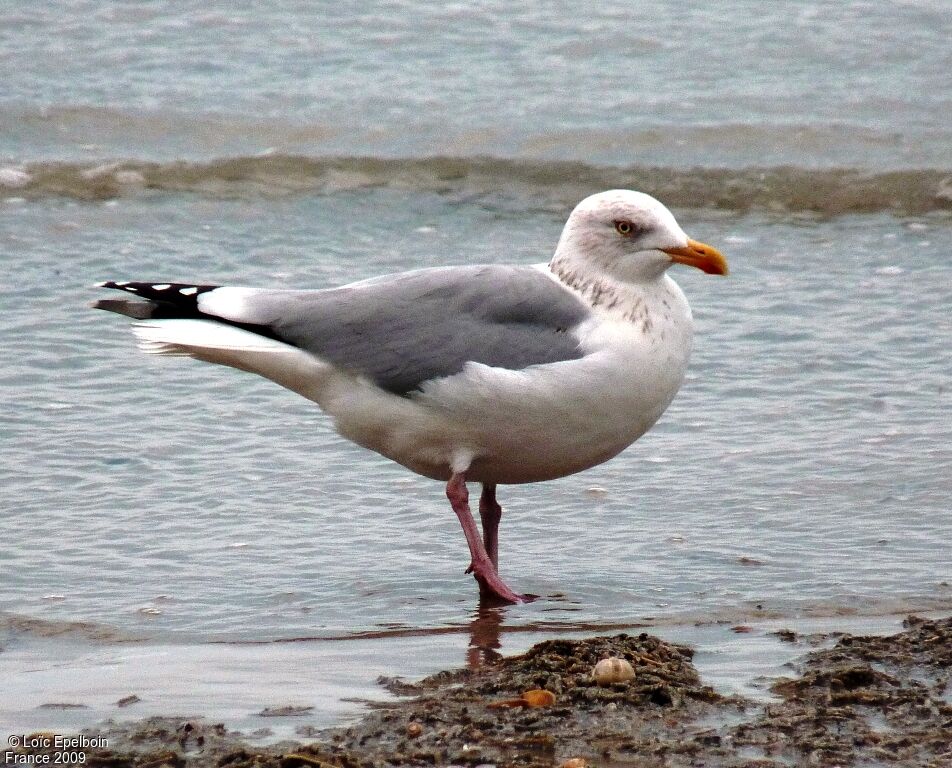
(186, 337)
(294, 368)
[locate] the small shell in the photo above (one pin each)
(414, 730)
(538, 698)
(575, 762)
(534, 698)
(612, 670)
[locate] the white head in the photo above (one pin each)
(631, 237)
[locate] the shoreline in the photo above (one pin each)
(847, 699)
(65, 677)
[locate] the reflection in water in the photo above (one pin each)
(484, 632)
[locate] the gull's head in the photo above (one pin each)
(632, 237)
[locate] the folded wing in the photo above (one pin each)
(400, 330)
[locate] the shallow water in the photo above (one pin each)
(805, 468)
(335, 680)
(807, 459)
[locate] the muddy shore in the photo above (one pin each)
(849, 701)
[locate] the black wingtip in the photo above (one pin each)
(175, 293)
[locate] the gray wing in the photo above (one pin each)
(405, 329)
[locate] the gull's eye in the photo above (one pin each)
(623, 227)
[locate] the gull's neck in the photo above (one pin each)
(599, 289)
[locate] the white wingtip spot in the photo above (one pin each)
(161, 287)
(188, 291)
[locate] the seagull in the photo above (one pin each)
(491, 374)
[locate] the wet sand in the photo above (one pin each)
(849, 700)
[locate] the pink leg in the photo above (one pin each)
(489, 515)
(481, 566)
